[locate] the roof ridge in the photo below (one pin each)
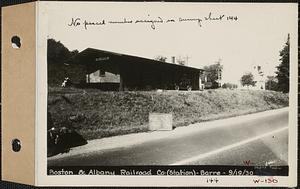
(133, 56)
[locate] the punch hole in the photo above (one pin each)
(16, 145)
(16, 42)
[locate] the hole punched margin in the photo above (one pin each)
(16, 42)
(16, 145)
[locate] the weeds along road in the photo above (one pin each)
(259, 139)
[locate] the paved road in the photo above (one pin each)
(256, 141)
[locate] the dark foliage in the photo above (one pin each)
(283, 70)
(272, 83)
(62, 140)
(248, 80)
(57, 59)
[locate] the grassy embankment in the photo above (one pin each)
(95, 114)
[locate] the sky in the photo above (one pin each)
(254, 38)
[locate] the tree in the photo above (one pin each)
(57, 53)
(272, 83)
(213, 73)
(57, 56)
(161, 58)
(283, 70)
(248, 80)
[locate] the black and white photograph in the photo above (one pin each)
(169, 89)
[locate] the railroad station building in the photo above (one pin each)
(114, 71)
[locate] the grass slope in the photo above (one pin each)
(97, 114)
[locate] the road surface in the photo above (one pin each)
(257, 140)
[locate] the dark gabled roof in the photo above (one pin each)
(91, 53)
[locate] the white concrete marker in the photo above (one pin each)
(160, 122)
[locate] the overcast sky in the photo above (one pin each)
(255, 38)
